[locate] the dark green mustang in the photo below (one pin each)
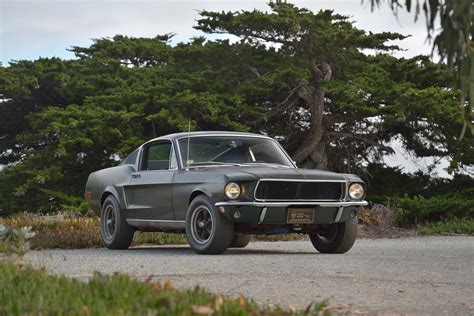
(220, 187)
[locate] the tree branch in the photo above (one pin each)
(362, 138)
(255, 71)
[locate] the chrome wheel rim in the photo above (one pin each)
(202, 224)
(109, 222)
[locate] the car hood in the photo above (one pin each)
(277, 172)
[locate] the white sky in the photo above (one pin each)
(31, 29)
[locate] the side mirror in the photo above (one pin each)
(294, 162)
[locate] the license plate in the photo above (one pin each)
(300, 215)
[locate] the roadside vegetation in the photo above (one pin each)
(451, 226)
(70, 231)
(75, 231)
(26, 291)
(424, 203)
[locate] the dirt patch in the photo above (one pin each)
(380, 222)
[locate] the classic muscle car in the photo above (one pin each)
(219, 188)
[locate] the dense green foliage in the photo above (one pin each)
(420, 199)
(300, 76)
(453, 41)
(29, 292)
(383, 182)
(418, 210)
(450, 226)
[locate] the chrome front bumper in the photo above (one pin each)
(288, 203)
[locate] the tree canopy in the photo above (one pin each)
(453, 41)
(330, 92)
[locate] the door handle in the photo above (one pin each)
(136, 175)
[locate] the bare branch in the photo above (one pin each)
(255, 71)
(365, 139)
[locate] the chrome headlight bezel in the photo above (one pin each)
(356, 191)
(232, 190)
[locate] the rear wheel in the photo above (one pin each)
(240, 241)
(335, 238)
(206, 230)
(115, 232)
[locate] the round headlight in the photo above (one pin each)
(356, 191)
(232, 190)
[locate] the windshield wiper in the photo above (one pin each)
(210, 163)
(265, 163)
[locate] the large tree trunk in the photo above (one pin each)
(312, 152)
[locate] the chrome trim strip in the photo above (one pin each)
(262, 215)
(154, 220)
(296, 180)
(288, 203)
(339, 214)
(134, 206)
(225, 134)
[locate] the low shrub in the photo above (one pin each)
(30, 292)
(412, 211)
(15, 241)
(453, 226)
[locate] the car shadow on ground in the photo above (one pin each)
(186, 251)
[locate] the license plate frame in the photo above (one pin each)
(300, 215)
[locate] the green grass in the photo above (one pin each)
(27, 291)
(455, 225)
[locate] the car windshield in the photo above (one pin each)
(218, 150)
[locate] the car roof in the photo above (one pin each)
(206, 133)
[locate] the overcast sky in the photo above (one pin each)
(31, 29)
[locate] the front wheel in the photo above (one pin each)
(206, 230)
(115, 232)
(335, 238)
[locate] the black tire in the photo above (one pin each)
(206, 230)
(115, 232)
(240, 241)
(335, 238)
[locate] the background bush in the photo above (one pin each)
(419, 210)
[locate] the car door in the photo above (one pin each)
(149, 194)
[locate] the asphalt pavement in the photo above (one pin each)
(416, 275)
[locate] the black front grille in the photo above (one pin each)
(288, 190)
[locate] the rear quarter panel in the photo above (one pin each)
(111, 181)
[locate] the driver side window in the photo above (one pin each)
(157, 157)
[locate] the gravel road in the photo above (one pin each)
(427, 275)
